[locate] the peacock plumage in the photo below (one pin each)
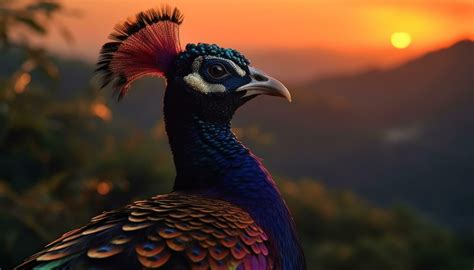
(225, 211)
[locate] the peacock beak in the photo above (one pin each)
(262, 84)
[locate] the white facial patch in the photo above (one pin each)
(197, 82)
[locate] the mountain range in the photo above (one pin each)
(402, 135)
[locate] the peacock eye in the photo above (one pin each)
(217, 71)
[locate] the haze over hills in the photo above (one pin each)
(389, 135)
(297, 66)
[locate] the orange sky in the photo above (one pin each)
(349, 26)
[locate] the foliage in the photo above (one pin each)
(65, 160)
(21, 19)
(341, 231)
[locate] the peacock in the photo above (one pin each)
(225, 210)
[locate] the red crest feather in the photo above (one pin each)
(144, 45)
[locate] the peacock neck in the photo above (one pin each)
(203, 151)
(211, 161)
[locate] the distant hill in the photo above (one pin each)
(302, 65)
(399, 135)
(297, 65)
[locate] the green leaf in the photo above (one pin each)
(31, 23)
(48, 7)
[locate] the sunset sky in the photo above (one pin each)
(349, 27)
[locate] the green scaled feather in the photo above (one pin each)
(52, 265)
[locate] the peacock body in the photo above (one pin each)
(225, 211)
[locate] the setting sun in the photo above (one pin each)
(400, 40)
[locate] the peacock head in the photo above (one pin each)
(203, 79)
(215, 81)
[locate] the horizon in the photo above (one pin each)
(312, 72)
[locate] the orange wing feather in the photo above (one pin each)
(173, 230)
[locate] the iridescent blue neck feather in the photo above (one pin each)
(211, 161)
